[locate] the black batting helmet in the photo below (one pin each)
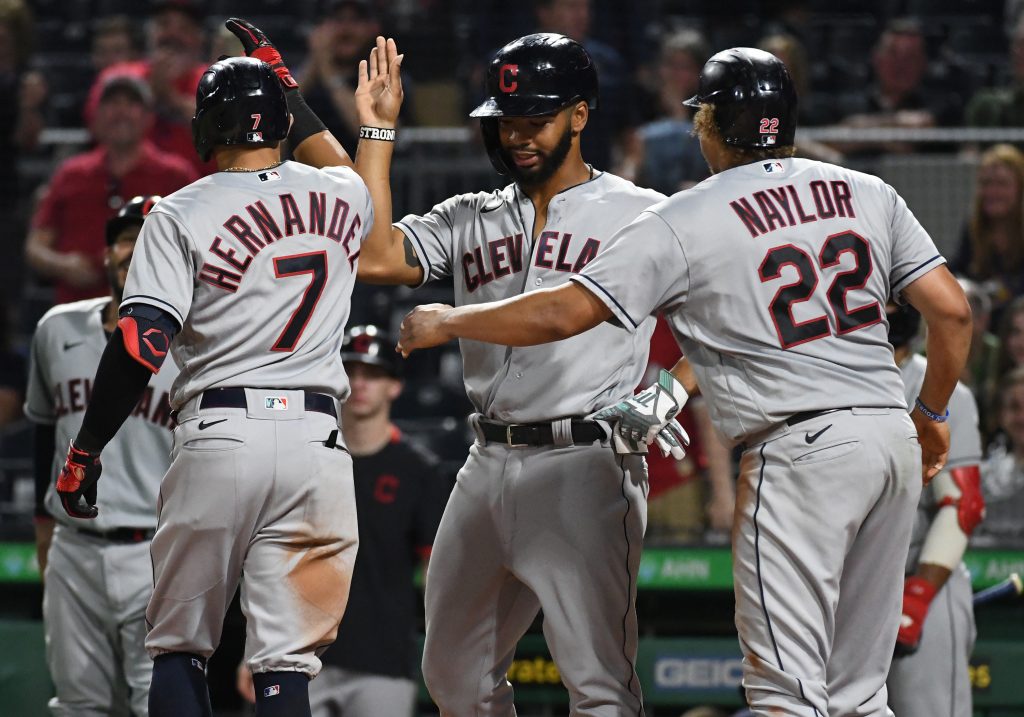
(131, 214)
(239, 100)
(538, 74)
(904, 323)
(753, 96)
(369, 345)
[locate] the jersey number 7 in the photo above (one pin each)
(792, 333)
(315, 264)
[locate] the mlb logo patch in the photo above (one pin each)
(269, 176)
(773, 167)
(253, 136)
(272, 691)
(276, 403)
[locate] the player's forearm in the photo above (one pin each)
(937, 575)
(948, 344)
(119, 383)
(41, 256)
(322, 150)
(539, 317)
(947, 314)
(684, 374)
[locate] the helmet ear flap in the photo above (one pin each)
(492, 141)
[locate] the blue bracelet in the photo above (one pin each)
(937, 417)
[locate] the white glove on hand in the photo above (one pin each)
(649, 417)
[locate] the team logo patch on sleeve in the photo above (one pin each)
(276, 403)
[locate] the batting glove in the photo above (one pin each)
(257, 44)
(917, 597)
(649, 417)
(76, 484)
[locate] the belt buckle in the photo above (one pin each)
(508, 439)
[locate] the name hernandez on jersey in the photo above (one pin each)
(276, 252)
(484, 241)
(239, 251)
(773, 277)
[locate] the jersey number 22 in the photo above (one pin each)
(793, 333)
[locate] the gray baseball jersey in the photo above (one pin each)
(773, 277)
(66, 350)
(964, 447)
(484, 241)
(201, 256)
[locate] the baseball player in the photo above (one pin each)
(245, 275)
(543, 516)
(774, 274)
(97, 573)
(929, 676)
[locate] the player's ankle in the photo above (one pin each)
(281, 694)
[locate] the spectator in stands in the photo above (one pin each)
(1002, 106)
(899, 95)
(992, 249)
(607, 126)
(1002, 472)
(982, 370)
(1011, 338)
(342, 37)
(65, 242)
(663, 154)
(176, 59)
(115, 39)
(13, 375)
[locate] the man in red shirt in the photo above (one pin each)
(175, 61)
(65, 243)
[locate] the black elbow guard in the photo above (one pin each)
(147, 332)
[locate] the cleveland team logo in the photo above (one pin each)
(507, 81)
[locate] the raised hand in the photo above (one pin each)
(379, 92)
(257, 44)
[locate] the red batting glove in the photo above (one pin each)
(918, 594)
(257, 44)
(76, 484)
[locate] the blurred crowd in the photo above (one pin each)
(126, 70)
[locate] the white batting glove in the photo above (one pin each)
(649, 417)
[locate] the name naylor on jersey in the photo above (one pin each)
(73, 396)
(504, 256)
(778, 207)
(261, 227)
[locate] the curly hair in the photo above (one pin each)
(704, 125)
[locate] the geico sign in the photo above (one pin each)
(697, 673)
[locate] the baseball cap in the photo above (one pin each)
(370, 345)
(132, 85)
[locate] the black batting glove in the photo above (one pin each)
(76, 484)
(257, 44)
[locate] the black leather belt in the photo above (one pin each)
(538, 434)
(808, 415)
(235, 398)
(118, 535)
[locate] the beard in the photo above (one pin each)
(114, 279)
(548, 163)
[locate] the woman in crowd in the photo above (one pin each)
(1003, 471)
(992, 250)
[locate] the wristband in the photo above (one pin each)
(937, 417)
(382, 134)
(305, 122)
